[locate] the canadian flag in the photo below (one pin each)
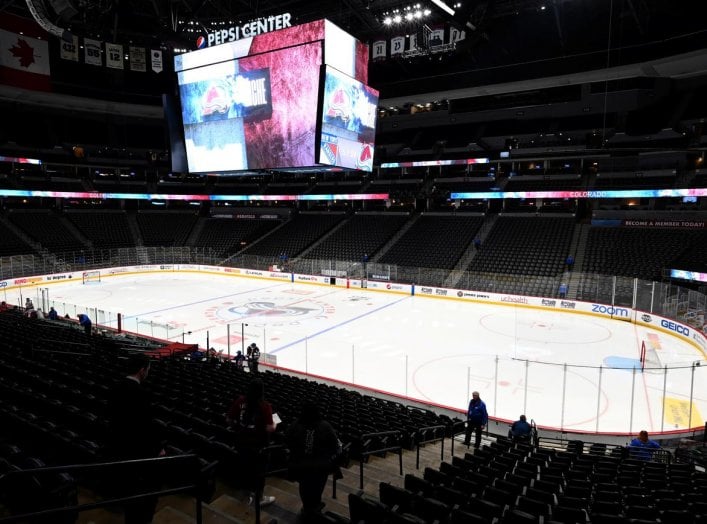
(24, 54)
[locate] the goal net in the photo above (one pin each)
(650, 357)
(90, 277)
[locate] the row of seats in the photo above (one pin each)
(642, 252)
(508, 483)
(525, 246)
(434, 241)
(360, 235)
(54, 387)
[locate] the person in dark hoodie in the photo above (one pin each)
(133, 435)
(314, 448)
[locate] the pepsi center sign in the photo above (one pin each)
(247, 30)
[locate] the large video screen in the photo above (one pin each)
(348, 122)
(256, 112)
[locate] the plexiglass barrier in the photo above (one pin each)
(562, 395)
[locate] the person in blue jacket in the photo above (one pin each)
(520, 430)
(476, 419)
(642, 447)
(85, 322)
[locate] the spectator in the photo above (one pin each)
(250, 416)
(520, 430)
(4, 306)
(253, 357)
(133, 435)
(314, 448)
(570, 262)
(40, 314)
(29, 306)
(197, 355)
(239, 360)
(477, 243)
(85, 322)
(476, 419)
(52, 315)
(642, 447)
(563, 290)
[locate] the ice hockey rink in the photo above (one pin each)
(565, 370)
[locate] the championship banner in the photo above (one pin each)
(455, 35)
(413, 42)
(24, 54)
(437, 37)
(70, 50)
(156, 60)
(379, 49)
(397, 45)
(92, 51)
(114, 56)
(138, 60)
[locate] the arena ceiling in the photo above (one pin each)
(169, 19)
(499, 33)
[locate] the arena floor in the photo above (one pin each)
(522, 360)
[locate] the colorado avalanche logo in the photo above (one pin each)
(270, 308)
(200, 42)
(267, 312)
(339, 105)
(365, 158)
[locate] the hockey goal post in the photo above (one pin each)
(650, 359)
(89, 277)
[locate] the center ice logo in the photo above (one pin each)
(270, 308)
(266, 311)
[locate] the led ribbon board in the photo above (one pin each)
(619, 193)
(23, 193)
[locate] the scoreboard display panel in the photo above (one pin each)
(257, 103)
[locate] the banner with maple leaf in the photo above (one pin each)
(24, 54)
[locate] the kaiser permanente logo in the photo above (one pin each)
(247, 30)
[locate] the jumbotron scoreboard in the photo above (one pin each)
(293, 98)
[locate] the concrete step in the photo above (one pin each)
(237, 507)
(209, 514)
(170, 515)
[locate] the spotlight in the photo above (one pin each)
(418, 14)
(397, 19)
(408, 16)
(387, 20)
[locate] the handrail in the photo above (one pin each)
(649, 455)
(365, 454)
(453, 428)
(345, 451)
(435, 439)
(264, 455)
(534, 439)
(194, 487)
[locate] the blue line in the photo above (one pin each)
(335, 326)
(201, 301)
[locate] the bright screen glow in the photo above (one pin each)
(349, 112)
(688, 275)
(257, 112)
